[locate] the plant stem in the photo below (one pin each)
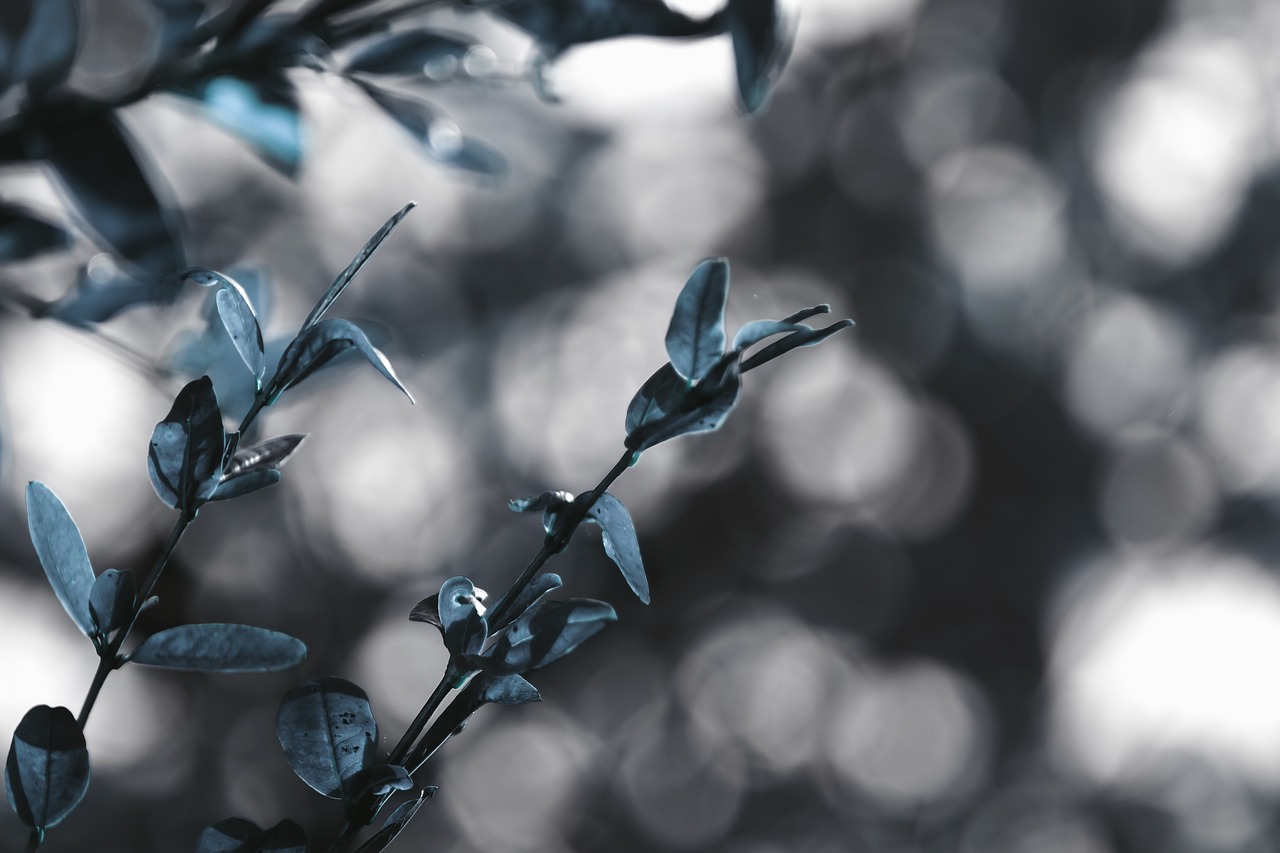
(34, 840)
(424, 716)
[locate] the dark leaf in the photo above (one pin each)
(178, 30)
(806, 313)
(803, 338)
(261, 112)
(242, 327)
(695, 337)
(285, 837)
(344, 278)
(245, 484)
(62, 553)
(217, 647)
(316, 345)
(534, 590)
(757, 330)
(428, 610)
(438, 134)
(266, 455)
(409, 52)
(461, 620)
(619, 536)
(47, 771)
(558, 26)
(544, 501)
(48, 47)
(328, 732)
(702, 409)
(376, 781)
(762, 32)
(185, 459)
(545, 634)
(398, 820)
(93, 301)
(237, 835)
(95, 160)
(24, 236)
(661, 394)
(484, 689)
(111, 600)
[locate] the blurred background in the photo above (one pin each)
(995, 573)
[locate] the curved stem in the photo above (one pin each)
(34, 840)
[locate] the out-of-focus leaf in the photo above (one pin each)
(177, 31)
(544, 634)
(461, 618)
(328, 732)
(97, 164)
(533, 591)
(62, 553)
(94, 301)
(47, 771)
(702, 408)
(48, 48)
(245, 484)
(111, 600)
(438, 134)
(242, 327)
(803, 338)
(695, 337)
(265, 455)
(806, 313)
(185, 458)
(408, 52)
(217, 647)
(762, 32)
(558, 26)
(619, 536)
(551, 503)
(237, 835)
(260, 111)
(24, 236)
(661, 394)
(344, 278)
(484, 689)
(398, 820)
(376, 781)
(317, 345)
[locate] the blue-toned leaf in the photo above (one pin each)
(104, 177)
(532, 592)
(111, 600)
(544, 634)
(544, 501)
(242, 327)
(695, 337)
(245, 484)
(217, 647)
(461, 620)
(62, 553)
(619, 536)
(344, 278)
(376, 781)
(185, 458)
(558, 26)
(317, 345)
(237, 835)
(428, 610)
(328, 732)
(702, 409)
(47, 771)
(264, 456)
(23, 235)
(806, 313)
(762, 32)
(661, 394)
(178, 25)
(483, 689)
(804, 338)
(398, 820)
(438, 134)
(48, 48)
(757, 330)
(409, 52)
(260, 111)
(93, 300)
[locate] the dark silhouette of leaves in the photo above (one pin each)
(47, 50)
(47, 772)
(23, 235)
(397, 821)
(408, 52)
(185, 459)
(237, 835)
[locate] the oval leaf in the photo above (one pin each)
(398, 820)
(702, 409)
(245, 484)
(185, 459)
(619, 536)
(111, 600)
(328, 732)
(47, 771)
(695, 337)
(762, 32)
(461, 620)
(242, 326)
(317, 345)
(61, 552)
(544, 634)
(217, 647)
(409, 52)
(264, 456)
(661, 394)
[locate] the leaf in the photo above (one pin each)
(266, 455)
(757, 330)
(762, 32)
(484, 689)
(408, 52)
(558, 26)
(260, 111)
(661, 394)
(806, 313)
(804, 338)
(242, 327)
(376, 781)
(551, 503)
(97, 164)
(428, 610)
(245, 484)
(237, 835)
(545, 634)
(695, 337)
(398, 820)
(702, 408)
(344, 278)
(619, 536)
(316, 345)
(178, 26)
(461, 620)
(93, 301)
(439, 135)
(328, 732)
(111, 600)
(47, 50)
(47, 772)
(217, 647)
(185, 459)
(534, 590)
(23, 235)
(62, 553)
